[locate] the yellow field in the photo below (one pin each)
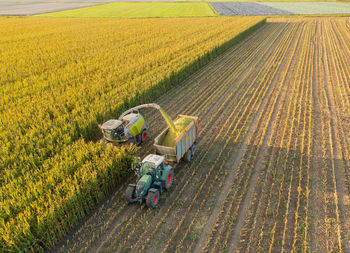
(59, 79)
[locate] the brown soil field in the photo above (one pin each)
(272, 167)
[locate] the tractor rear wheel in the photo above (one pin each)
(169, 179)
(143, 135)
(188, 156)
(130, 193)
(152, 198)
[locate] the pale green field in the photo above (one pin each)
(139, 9)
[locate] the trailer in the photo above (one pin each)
(184, 145)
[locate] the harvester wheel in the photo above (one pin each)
(169, 179)
(152, 199)
(130, 193)
(188, 156)
(143, 135)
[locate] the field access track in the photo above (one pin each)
(271, 168)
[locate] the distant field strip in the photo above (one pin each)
(279, 8)
(141, 9)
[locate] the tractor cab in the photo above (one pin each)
(153, 177)
(152, 165)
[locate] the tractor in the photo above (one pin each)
(153, 177)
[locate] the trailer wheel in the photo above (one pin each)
(143, 135)
(130, 194)
(193, 149)
(169, 177)
(152, 199)
(188, 156)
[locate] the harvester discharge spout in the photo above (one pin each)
(166, 117)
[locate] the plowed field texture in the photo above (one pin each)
(272, 167)
(59, 79)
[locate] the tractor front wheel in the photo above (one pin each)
(169, 179)
(130, 194)
(152, 199)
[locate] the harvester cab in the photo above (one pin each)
(131, 126)
(153, 177)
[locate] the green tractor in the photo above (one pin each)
(153, 177)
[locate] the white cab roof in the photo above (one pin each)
(156, 159)
(131, 117)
